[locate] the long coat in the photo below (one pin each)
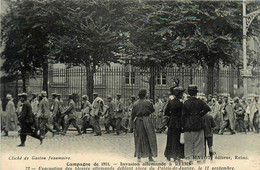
(44, 111)
(10, 117)
(119, 109)
(26, 118)
(70, 111)
(229, 114)
(144, 133)
(174, 149)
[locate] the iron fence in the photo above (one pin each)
(128, 80)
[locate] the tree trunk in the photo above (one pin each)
(152, 83)
(90, 81)
(210, 85)
(23, 74)
(45, 76)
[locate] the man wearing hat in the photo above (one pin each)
(227, 112)
(26, 120)
(19, 105)
(85, 110)
(119, 114)
(129, 120)
(71, 112)
(10, 118)
(61, 119)
(240, 114)
(96, 112)
(56, 113)
(34, 103)
(110, 115)
(43, 115)
(193, 111)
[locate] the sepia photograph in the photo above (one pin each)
(130, 84)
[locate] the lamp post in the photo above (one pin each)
(247, 20)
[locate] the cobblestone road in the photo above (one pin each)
(121, 148)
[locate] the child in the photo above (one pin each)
(209, 124)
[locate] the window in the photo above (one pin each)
(161, 79)
(129, 77)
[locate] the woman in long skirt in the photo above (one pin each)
(144, 132)
(174, 149)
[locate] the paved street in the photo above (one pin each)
(121, 148)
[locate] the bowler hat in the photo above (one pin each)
(178, 91)
(192, 87)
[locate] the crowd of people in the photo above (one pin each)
(184, 117)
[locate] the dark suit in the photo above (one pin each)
(27, 120)
(193, 110)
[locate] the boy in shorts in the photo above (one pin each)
(209, 124)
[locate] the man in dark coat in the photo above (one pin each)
(119, 114)
(26, 120)
(227, 111)
(71, 112)
(193, 110)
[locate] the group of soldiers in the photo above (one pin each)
(235, 115)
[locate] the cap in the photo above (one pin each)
(19, 94)
(109, 97)
(54, 94)
(236, 99)
(9, 96)
(95, 93)
(133, 96)
(24, 94)
(84, 96)
(44, 93)
(118, 94)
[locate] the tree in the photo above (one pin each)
(201, 33)
(92, 37)
(25, 34)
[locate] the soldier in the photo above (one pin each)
(254, 116)
(158, 106)
(119, 114)
(55, 108)
(96, 112)
(61, 119)
(34, 103)
(109, 115)
(26, 120)
(43, 115)
(240, 114)
(10, 118)
(227, 111)
(19, 105)
(70, 111)
(85, 109)
(129, 120)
